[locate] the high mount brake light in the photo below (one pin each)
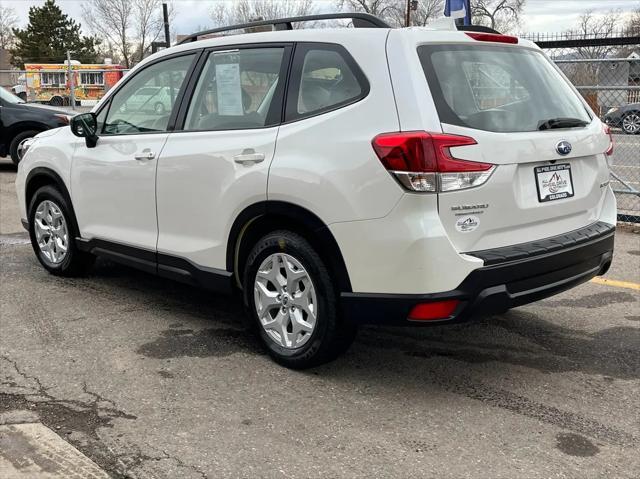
(607, 131)
(492, 37)
(423, 162)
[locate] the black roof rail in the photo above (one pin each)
(477, 28)
(360, 20)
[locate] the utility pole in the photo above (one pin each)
(408, 18)
(165, 17)
(411, 5)
(167, 40)
(72, 82)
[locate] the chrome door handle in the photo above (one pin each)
(249, 158)
(145, 155)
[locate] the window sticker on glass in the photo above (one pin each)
(229, 91)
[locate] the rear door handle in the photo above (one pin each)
(249, 158)
(145, 155)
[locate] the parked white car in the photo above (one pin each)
(335, 176)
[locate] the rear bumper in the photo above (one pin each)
(511, 277)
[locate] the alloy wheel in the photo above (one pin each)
(51, 232)
(285, 301)
(631, 123)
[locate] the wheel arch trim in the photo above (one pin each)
(31, 185)
(322, 238)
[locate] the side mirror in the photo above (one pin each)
(85, 126)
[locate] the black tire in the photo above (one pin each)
(76, 262)
(56, 101)
(332, 335)
(13, 146)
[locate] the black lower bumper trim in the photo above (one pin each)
(496, 287)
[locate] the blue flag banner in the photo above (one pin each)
(458, 9)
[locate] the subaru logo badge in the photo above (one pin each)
(563, 148)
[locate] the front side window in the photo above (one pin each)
(501, 89)
(236, 90)
(145, 102)
(327, 80)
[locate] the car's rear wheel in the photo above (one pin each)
(15, 147)
(53, 234)
(631, 123)
(293, 303)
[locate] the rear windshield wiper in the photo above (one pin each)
(552, 123)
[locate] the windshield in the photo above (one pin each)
(501, 89)
(9, 97)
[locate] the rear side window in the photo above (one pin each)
(324, 77)
(238, 89)
(501, 89)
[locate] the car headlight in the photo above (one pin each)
(611, 110)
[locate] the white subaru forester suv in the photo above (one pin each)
(335, 177)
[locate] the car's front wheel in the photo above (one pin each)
(53, 234)
(631, 123)
(293, 303)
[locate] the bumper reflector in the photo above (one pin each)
(432, 311)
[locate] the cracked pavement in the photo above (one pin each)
(154, 379)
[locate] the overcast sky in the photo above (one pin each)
(539, 15)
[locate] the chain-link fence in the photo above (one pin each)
(606, 71)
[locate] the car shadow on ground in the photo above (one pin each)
(522, 337)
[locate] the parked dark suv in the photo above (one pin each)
(20, 121)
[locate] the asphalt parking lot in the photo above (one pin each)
(152, 379)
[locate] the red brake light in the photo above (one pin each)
(432, 311)
(422, 152)
(492, 37)
(607, 131)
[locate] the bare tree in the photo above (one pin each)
(597, 26)
(127, 26)
(8, 21)
(591, 25)
(632, 26)
(502, 15)
(394, 12)
(385, 9)
(244, 11)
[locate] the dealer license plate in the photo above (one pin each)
(554, 182)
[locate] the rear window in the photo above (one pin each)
(501, 89)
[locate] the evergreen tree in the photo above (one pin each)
(48, 36)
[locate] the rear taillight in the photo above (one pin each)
(423, 162)
(607, 131)
(492, 37)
